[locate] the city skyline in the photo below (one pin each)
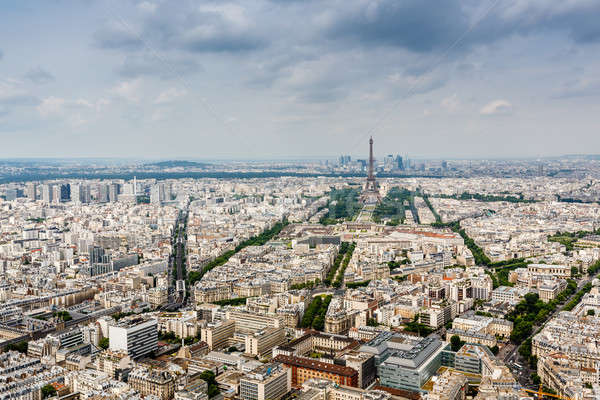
(231, 81)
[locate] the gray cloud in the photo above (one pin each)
(39, 76)
(116, 37)
(415, 25)
(579, 88)
(578, 18)
(422, 27)
(15, 100)
(221, 42)
(164, 67)
(213, 28)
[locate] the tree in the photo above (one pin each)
(591, 312)
(535, 378)
(21, 347)
(103, 344)
(48, 391)
(209, 377)
(455, 342)
(495, 349)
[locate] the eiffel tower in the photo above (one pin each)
(370, 194)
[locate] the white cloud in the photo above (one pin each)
(77, 120)
(128, 90)
(451, 103)
(169, 95)
(51, 106)
(84, 103)
(147, 6)
(496, 107)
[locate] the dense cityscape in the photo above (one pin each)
(358, 279)
(299, 200)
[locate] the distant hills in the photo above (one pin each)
(177, 164)
(582, 156)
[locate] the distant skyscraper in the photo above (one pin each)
(47, 193)
(80, 193)
(30, 191)
(113, 192)
(102, 193)
(399, 163)
(388, 162)
(65, 192)
(345, 160)
(75, 193)
(157, 194)
(56, 193)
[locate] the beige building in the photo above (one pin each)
(262, 342)
(152, 382)
(217, 334)
(209, 294)
(451, 385)
(548, 290)
(560, 271)
(158, 296)
(339, 322)
(110, 362)
(246, 322)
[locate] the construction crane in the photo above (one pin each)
(540, 393)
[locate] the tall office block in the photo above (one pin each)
(56, 194)
(103, 193)
(113, 192)
(47, 193)
(31, 191)
(157, 194)
(137, 337)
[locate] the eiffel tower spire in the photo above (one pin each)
(370, 193)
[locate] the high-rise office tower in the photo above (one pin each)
(65, 192)
(30, 191)
(399, 163)
(157, 194)
(47, 193)
(113, 192)
(102, 193)
(80, 193)
(56, 194)
(75, 193)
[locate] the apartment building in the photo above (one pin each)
(152, 382)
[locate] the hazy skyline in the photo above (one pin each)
(279, 79)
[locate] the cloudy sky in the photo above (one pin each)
(285, 78)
